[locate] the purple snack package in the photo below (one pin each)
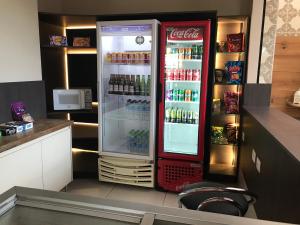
(17, 110)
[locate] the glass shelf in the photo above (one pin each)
(230, 52)
(227, 84)
(184, 81)
(224, 144)
(183, 60)
(128, 64)
(184, 102)
(143, 97)
(181, 124)
(185, 41)
(123, 114)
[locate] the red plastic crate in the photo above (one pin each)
(173, 175)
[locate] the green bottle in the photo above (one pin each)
(142, 85)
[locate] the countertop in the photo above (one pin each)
(283, 127)
(40, 128)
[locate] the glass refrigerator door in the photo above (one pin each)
(126, 86)
(183, 70)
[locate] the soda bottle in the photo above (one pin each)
(188, 53)
(184, 116)
(116, 84)
(178, 115)
(181, 95)
(181, 53)
(176, 74)
(194, 51)
(121, 84)
(168, 115)
(195, 96)
(175, 94)
(187, 96)
(111, 84)
(132, 85)
(169, 95)
(170, 74)
(148, 86)
(200, 51)
(137, 90)
(173, 115)
(189, 74)
(196, 118)
(142, 85)
(196, 74)
(182, 74)
(190, 117)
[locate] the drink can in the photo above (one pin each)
(181, 95)
(114, 57)
(124, 57)
(196, 74)
(178, 116)
(170, 74)
(119, 57)
(169, 95)
(195, 96)
(182, 74)
(184, 116)
(189, 74)
(190, 117)
(175, 94)
(174, 50)
(188, 53)
(187, 96)
(176, 74)
(181, 53)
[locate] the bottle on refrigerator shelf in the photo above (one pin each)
(196, 118)
(126, 85)
(170, 74)
(190, 117)
(182, 74)
(184, 116)
(121, 85)
(194, 52)
(175, 94)
(189, 74)
(178, 115)
(169, 95)
(187, 95)
(196, 74)
(188, 53)
(116, 84)
(132, 85)
(175, 74)
(181, 53)
(173, 115)
(142, 85)
(148, 86)
(111, 84)
(168, 115)
(137, 89)
(181, 95)
(195, 96)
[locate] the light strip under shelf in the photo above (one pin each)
(86, 124)
(84, 150)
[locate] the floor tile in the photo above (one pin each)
(137, 194)
(89, 187)
(170, 200)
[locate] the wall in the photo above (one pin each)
(20, 48)
(96, 7)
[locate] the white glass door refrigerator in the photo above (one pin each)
(127, 71)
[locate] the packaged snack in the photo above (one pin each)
(217, 136)
(234, 71)
(231, 132)
(81, 42)
(56, 40)
(222, 46)
(219, 75)
(231, 101)
(235, 42)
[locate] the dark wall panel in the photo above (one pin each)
(277, 185)
(32, 93)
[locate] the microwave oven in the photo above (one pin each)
(72, 99)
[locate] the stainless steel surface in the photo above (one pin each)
(38, 207)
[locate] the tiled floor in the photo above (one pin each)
(128, 193)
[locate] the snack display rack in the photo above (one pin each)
(230, 72)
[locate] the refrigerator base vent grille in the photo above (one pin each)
(126, 171)
(174, 175)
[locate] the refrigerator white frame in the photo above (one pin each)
(154, 46)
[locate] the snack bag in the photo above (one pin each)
(17, 110)
(234, 71)
(235, 42)
(231, 100)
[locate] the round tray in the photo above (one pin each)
(290, 103)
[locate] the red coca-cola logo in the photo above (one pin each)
(190, 33)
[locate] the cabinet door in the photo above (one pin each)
(21, 166)
(56, 157)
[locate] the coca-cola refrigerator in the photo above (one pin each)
(184, 58)
(127, 71)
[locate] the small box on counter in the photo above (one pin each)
(6, 130)
(18, 125)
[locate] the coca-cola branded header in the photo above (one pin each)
(185, 33)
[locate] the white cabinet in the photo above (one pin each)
(44, 163)
(57, 159)
(21, 166)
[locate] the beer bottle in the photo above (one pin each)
(173, 115)
(116, 84)
(142, 85)
(111, 84)
(168, 114)
(178, 116)
(126, 85)
(121, 85)
(132, 85)
(148, 86)
(184, 116)
(137, 85)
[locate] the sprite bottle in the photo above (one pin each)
(178, 115)
(173, 115)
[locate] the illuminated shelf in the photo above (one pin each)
(142, 97)
(224, 144)
(184, 41)
(220, 83)
(184, 102)
(181, 124)
(230, 52)
(224, 169)
(128, 64)
(183, 60)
